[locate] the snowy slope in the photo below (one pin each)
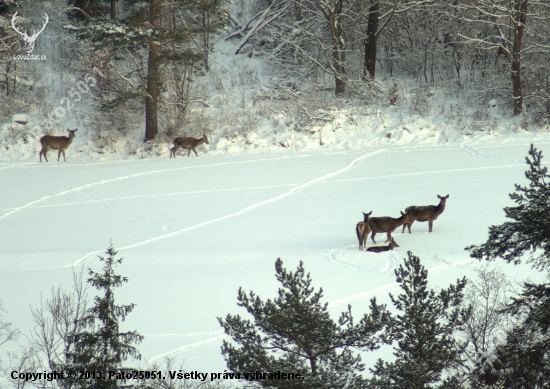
(192, 230)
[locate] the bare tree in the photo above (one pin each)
(7, 333)
(485, 329)
(58, 321)
(504, 26)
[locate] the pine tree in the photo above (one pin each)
(295, 333)
(522, 361)
(102, 347)
(424, 330)
(524, 357)
(530, 229)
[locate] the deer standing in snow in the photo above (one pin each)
(388, 224)
(187, 143)
(426, 213)
(60, 143)
(362, 229)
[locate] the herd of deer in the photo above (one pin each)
(62, 143)
(370, 225)
(375, 225)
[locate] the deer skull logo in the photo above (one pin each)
(29, 40)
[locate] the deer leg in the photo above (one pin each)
(365, 236)
(388, 234)
(64, 156)
(189, 153)
(409, 226)
(171, 152)
(195, 151)
(360, 237)
(430, 223)
(372, 236)
(45, 152)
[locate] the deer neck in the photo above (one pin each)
(401, 220)
(441, 207)
(70, 138)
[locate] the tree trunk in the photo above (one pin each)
(340, 82)
(8, 78)
(520, 19)
(113, 9)
(151, 104)
(338, 47)
(206, 38)
(371, 40)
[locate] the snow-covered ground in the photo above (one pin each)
(193, 230)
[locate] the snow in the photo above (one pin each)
(194, 230)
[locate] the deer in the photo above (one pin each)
(60, 143)
(363, 230)
(388, 224)
(187, 143)
(29, 40)
(379, 249)
(426, 213)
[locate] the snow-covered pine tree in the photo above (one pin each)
(523, 360)
(102, 347)
(529, 229)
(295, 333)
(520, 362)
(424, 330)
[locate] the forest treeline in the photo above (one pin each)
(152, 53)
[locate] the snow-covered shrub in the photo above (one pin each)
(420, 105)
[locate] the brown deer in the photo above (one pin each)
(388, 224)
(363, 230)
(60, 143)
(187, 143)
(425, 213)
(380, 249)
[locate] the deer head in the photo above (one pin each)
(29, 40)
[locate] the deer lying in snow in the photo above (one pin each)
(60, 143)
(388, 224)
(379, 249)
(188, 144)
(363, 230)
(425, 213)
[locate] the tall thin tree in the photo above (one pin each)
(102, 347)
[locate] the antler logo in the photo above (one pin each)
(29, 40)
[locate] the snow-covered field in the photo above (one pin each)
(192, 230)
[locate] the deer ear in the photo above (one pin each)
(402, 213)
(447, 196)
